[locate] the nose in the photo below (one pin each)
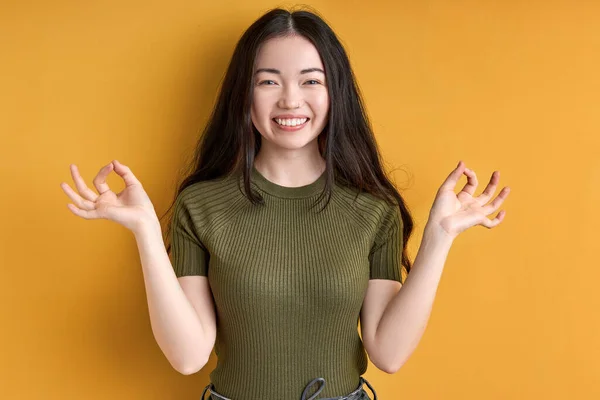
(291, 97)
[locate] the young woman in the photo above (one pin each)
(288, 232)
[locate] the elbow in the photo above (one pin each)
(190, 367)
(389, 367)
(391, 370)
(384, 364)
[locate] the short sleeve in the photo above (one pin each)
(188, 253)
(386, 253)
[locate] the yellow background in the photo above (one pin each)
(506, 85)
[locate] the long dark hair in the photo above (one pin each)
(230, 141)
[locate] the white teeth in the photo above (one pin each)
(291, 122)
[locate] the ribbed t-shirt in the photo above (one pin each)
(288, 282)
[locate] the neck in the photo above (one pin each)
(292, 169)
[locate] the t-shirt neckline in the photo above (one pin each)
(285, 191)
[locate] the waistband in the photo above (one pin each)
(350, 396)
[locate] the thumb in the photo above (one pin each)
(125, 172)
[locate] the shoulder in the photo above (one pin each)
(369, 211)
(211, 200)
(211, 192)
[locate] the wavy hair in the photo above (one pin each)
(230, 142)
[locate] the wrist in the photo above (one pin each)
(147, 225)
(434, 231)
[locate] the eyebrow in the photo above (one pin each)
(276, 71)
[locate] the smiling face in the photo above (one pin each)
(289, 89)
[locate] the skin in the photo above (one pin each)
(289, 158)
(393, 317)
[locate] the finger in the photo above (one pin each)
(472, 182)
(491, 223)
(125, 172)
(486, 195)
(82, 188)
(100, 179)
(87, 214)
(497, 202)
(450, 182)
(76, 198)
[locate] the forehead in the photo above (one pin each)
(288, 54)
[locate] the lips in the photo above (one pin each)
(290, 128)
(276, 118)
(289, 116)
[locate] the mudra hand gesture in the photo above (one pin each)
(130, 208)
(454, 213)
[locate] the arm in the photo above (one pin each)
(182, 313)
(183, 325)
(406, 315)
(404, 319)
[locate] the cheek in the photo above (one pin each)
(255, 112)
(260, 107)
(321, 104)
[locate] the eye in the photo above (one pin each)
(268, 80)
(312, 80)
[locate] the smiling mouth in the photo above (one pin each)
(290, 126)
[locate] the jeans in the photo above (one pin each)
(358, 394)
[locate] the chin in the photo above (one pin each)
(293, 143)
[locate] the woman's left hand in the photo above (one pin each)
(454, 213)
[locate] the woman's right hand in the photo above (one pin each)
(131, 207)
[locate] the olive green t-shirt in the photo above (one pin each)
(288, 282)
